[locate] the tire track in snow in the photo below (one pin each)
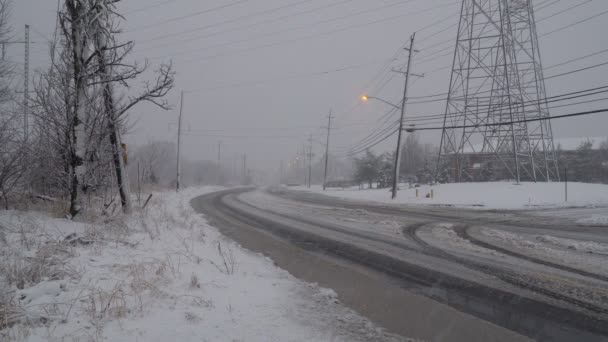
(512, 278)
(463, 232)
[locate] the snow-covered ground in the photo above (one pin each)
(593, 220)
(490, 195)
(162, 274)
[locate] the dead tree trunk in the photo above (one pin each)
(102, 31)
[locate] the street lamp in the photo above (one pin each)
(366, 98)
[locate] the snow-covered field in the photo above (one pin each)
(490, 195)
(162, 274)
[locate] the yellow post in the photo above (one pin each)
(125, 154)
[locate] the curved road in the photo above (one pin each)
(430, 273)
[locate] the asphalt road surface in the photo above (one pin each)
(439, 274)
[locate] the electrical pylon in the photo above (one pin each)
(497, 77)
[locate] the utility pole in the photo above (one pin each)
(244, 169)
(281, 173)
(302, 164)
(26, 82)
(219, 163)
(179, 142)
(310, 161)
(329, 117)
(403, 104)
(235, 175)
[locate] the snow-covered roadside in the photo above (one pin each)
(489, 195)
(162, 274)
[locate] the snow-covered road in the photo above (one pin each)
(542, 266)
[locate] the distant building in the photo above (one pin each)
(585, 159)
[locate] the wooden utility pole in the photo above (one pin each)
(219, 163)
(179, 142)
(26, 83)
(310, 161)
(244, 169)
(403, 104)
(329, 117)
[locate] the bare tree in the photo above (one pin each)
(78, 98)
(11, 157)
(113, 70)
(11, 143)
(5, 69)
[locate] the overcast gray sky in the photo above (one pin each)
(261, 75)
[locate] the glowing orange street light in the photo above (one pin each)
(366, 98)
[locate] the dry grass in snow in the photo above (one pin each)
(161, 274)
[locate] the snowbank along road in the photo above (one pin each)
(432, 273)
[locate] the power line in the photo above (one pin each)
(577, 70)
(590, 112)
(574, 24)
(239, 136)
(556, 117)
(287, 77)
(576, 59)
(274, 33)
(385, 67)
(426, 119)
(229, 21)
(288, 41)
(564, 11)
(382, 135)
(373, 135)
(238, 2)
(353, 153)
(549, 99)
(145, 8)
(546, 78)
(372, 139)
(548, 4)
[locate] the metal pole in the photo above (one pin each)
(219, 162)
(566, 182)
(403, 104)
(302, 165)
(235, 174)
(310, 161)
(26, 83)
(329, 117)
(138, 183)
(244, 169)
(179, 142)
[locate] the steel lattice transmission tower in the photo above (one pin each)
(496, 82)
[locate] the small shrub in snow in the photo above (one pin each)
(228, 264)
(10, 313)
(104, 304)
(192, 317)
(194, 283)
